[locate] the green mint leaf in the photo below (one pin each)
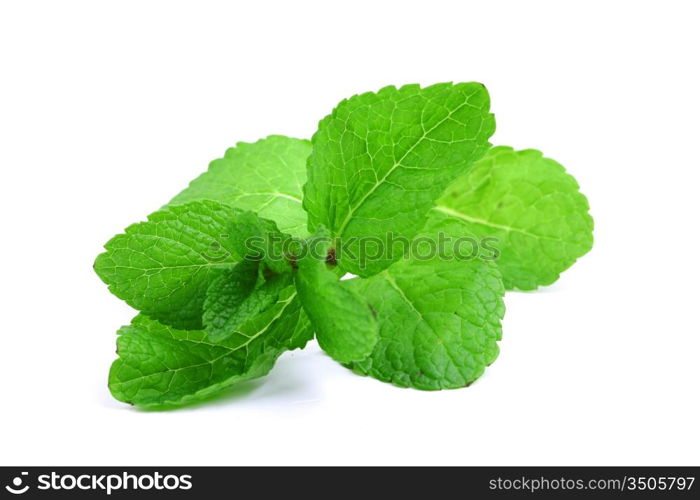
(163, 266)
(531, 206)
(344, 323)
(259, 239)
(380, 160)
(303, 331)
(159, 365)
(233, 299)
(266, 177)
(439, 319)
(225, 295)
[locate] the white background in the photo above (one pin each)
(107, 109)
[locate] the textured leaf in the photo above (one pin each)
(265, 177)
(380, 161)
(225, 295)
(343, 321)
(439, 319)
(163, 267)
(531, 206)
(259, 239)
(233, 299)
(160, 365)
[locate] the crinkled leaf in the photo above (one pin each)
(224, 296)
(343, 321)
(163, 266)
(266, 177)
(159, 365)
(233, 298)
(439, 318)
(259, 239)
(380, 160)
(532, 208)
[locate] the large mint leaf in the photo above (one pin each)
(531, 207)
(343, 321)
(439, 318)
(163, 266)
(159, 365)
(380, 160)
(266, 177)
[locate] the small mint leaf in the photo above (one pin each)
(233, 299)
(344, 322)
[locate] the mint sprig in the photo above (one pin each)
(226, 277)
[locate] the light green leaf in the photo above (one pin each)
(159, 365)
(343, 321)
(303, 331)
(439, 318)
(163, 267)
(380, 160)
(531, 206)
(266, 177)
(233, 298)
